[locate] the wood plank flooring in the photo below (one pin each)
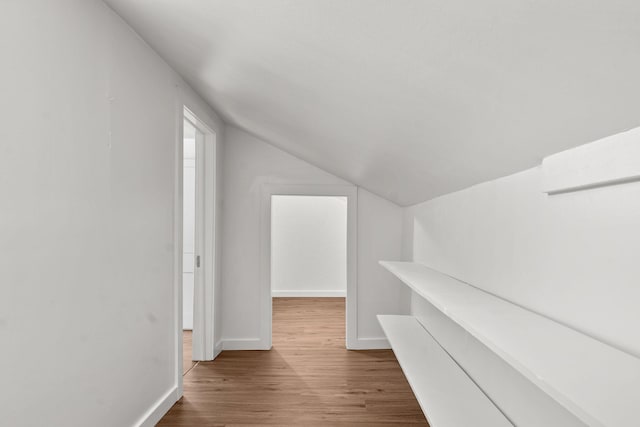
(308, 378)
(187, 352)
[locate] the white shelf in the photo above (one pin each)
(440, 385)
(596, 382)
(608, 161)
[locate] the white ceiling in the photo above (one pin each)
(409, 99)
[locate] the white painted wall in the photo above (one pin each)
(308, 246)
(379, 238)
(572, 257)
(88, 156)
(249, 163)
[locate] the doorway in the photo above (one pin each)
(308, 270)
(191, 133)
(309, 252)
(197, 244)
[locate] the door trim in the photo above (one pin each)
(199, 268)
(204, 278)
(209, 257)
(351, 193)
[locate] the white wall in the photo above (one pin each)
(379, 238)
(308, 246)
(249, 163)
(88, 156)
(572, 257)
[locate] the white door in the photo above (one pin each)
(199, 298)
(193, 229)
(188, 223)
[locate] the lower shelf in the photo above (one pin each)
(447, 396)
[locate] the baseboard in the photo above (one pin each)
(244, 344)
(370, 344)
(217, 349)
(159, 409)
(309, 294)
(258, 344)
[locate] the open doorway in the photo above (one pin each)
(308, 270)
(308, 256)
(197, 237)
(190, 133)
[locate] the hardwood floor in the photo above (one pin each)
(308, 378)
(187, 363)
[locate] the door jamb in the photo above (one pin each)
(208, 255)
(351, 193)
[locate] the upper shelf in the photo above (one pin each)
(596, 382)
(609, 161)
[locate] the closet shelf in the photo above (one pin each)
(441, 387)
(598, 383)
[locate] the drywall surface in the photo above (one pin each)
(348, 85)
(572, 257)
(379, 238)
(308, 246)
(88, 156)
(249, 163)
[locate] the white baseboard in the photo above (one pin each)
(244, 344)
(217, 349)
(258, 344)
(159, 409)
(370, 344)
(310, 294)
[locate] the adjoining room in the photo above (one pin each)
(308, 269)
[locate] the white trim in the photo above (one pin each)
(217, 349)
(178, 247)
(182, 111)
(307, 294)
(351, 193)
(245, 344)
(210, 255)
(204, 283)
(159, 409)
(371, 344)
(608, 161)
(258, 344)
(199, 329)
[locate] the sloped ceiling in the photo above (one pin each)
(409, 99)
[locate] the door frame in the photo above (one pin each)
(351, 193)
(203, 322)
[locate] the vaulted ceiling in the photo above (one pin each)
(409, 99)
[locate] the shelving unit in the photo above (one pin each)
(440, 385)
(598, 383)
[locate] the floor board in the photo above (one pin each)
(187, 363)
(307, 379)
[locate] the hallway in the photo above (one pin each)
(308, 378)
